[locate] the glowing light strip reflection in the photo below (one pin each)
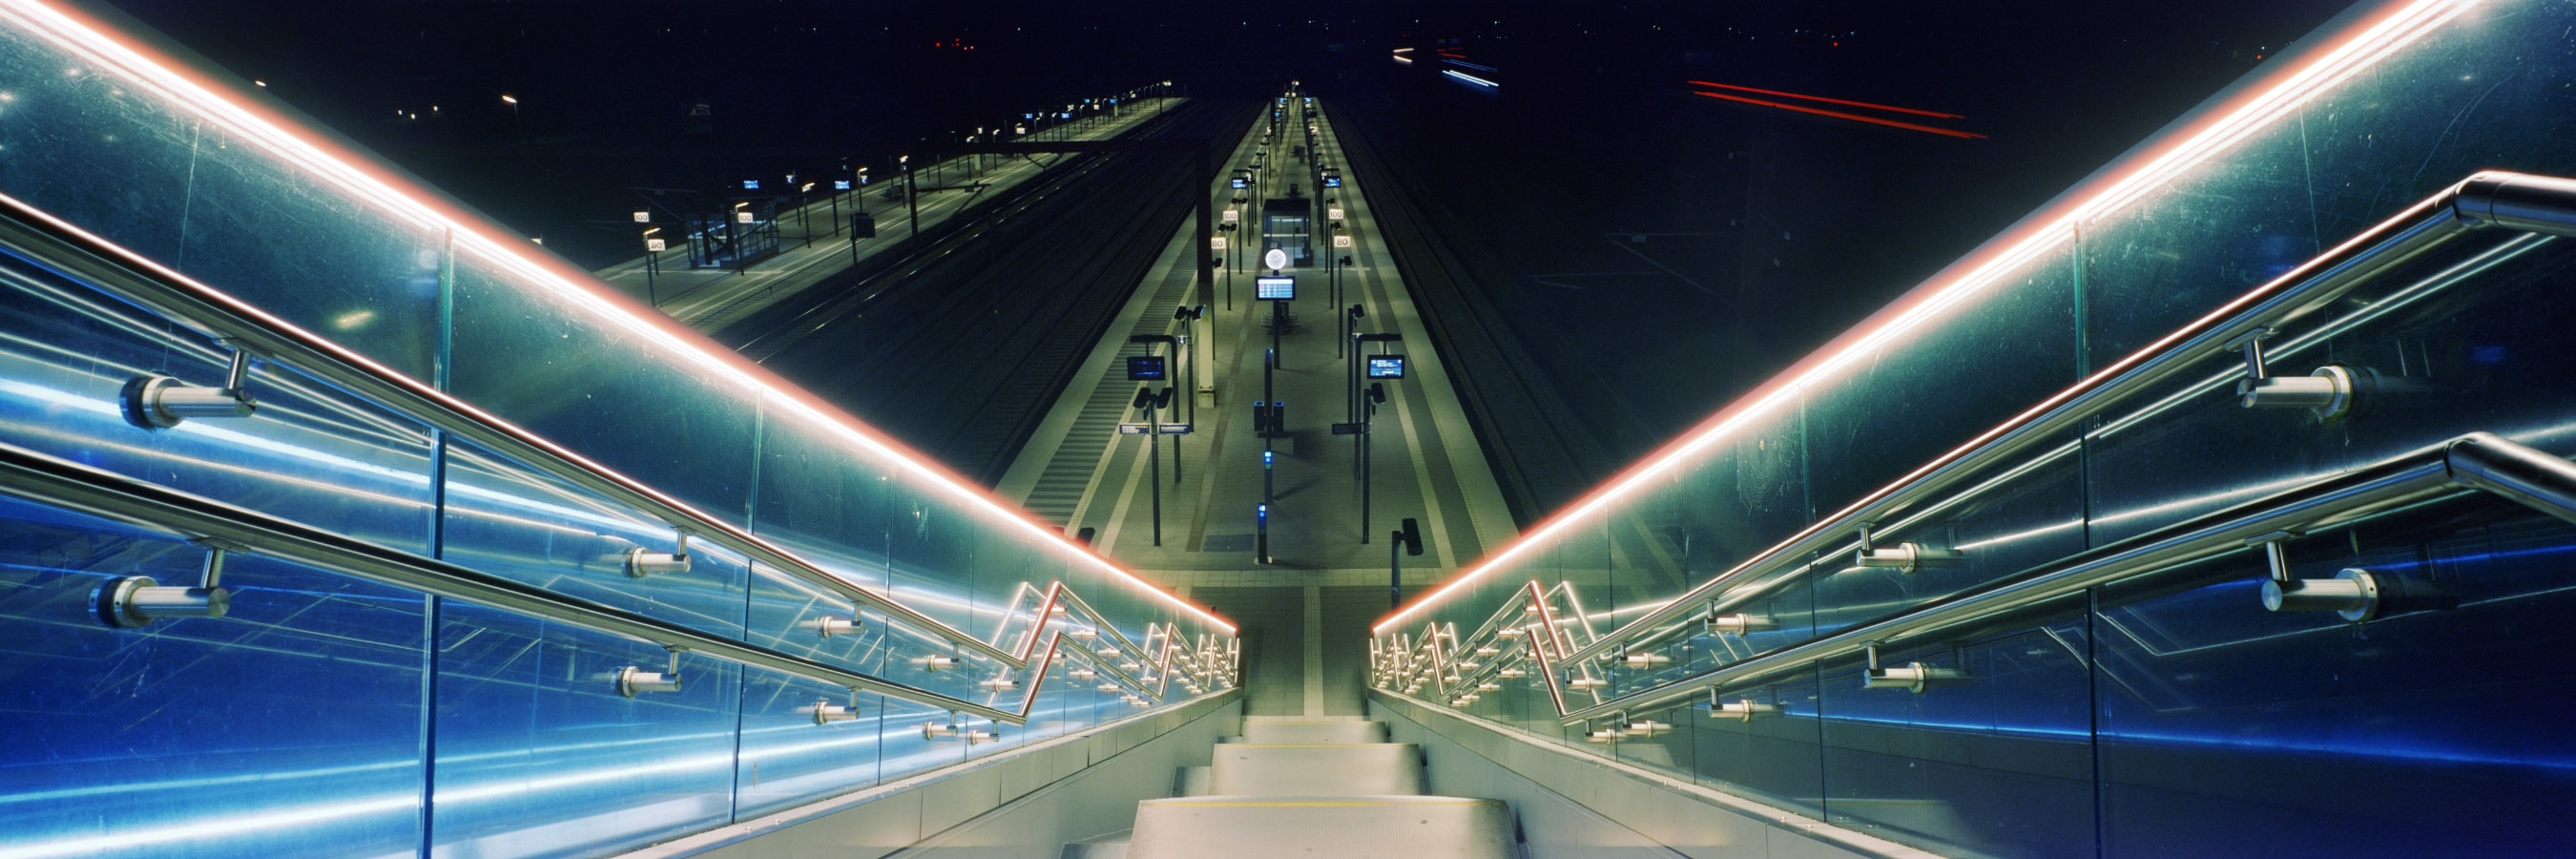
(93, 42)
(1469, 78)
(2193, 145)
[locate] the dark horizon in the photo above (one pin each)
(1597, 129)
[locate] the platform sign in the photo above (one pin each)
(1333, 213)
(1216, 243)
(1274, 288)
(1332, 180)
(1239, 182)
(840, 184)
(1350, 429)
(742, 216)
(751, 184)
(653, 246)
(1232, 216)
(1385, 366)
(1341, 241)
(643, 216)
(1146, 368)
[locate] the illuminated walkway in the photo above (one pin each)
(1423, 461)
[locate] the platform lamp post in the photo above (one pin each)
(1339, 243)
(1349, 325)
(652, 266)
(910, 197)
(1221, 243)
(838, 186)
(862, 226)
(804, 211)
(1370, 399)
(739, 214)
(1232, 220)
(1172, 354)
(652, 254)
(1197, 346)
(1151, 401)
(1355, 365)
(1344, 262)
(1407, 539)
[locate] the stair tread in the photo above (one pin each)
(1359, 827)
(1259, 769)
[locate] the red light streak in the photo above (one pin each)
(1843, 101)
(1909, 126)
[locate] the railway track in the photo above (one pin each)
(960, 347)
(1535, 441)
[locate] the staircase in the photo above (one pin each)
(1305, 788)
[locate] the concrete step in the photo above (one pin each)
(1193, 782)
(1375, 769)
(1314, 732)
(1346, 827)
(1103, 847)
(1254, 720)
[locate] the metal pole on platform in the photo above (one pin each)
(1368, 413)
(1147, 400)
(910, 196)
(804, 211)
(1408, 538)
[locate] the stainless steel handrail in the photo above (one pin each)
(2475, 462)
(62, 483)
(2490, 199)
(37, 236)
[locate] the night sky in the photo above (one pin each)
(1789, 227)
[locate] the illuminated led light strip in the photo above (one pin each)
(1841, 101)
(310, 816)
(1891, 123)
(472, 233)
(1469, 78)
(1989, 265)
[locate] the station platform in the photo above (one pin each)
(1424, 462)
(712, 298)
(1079, 472)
